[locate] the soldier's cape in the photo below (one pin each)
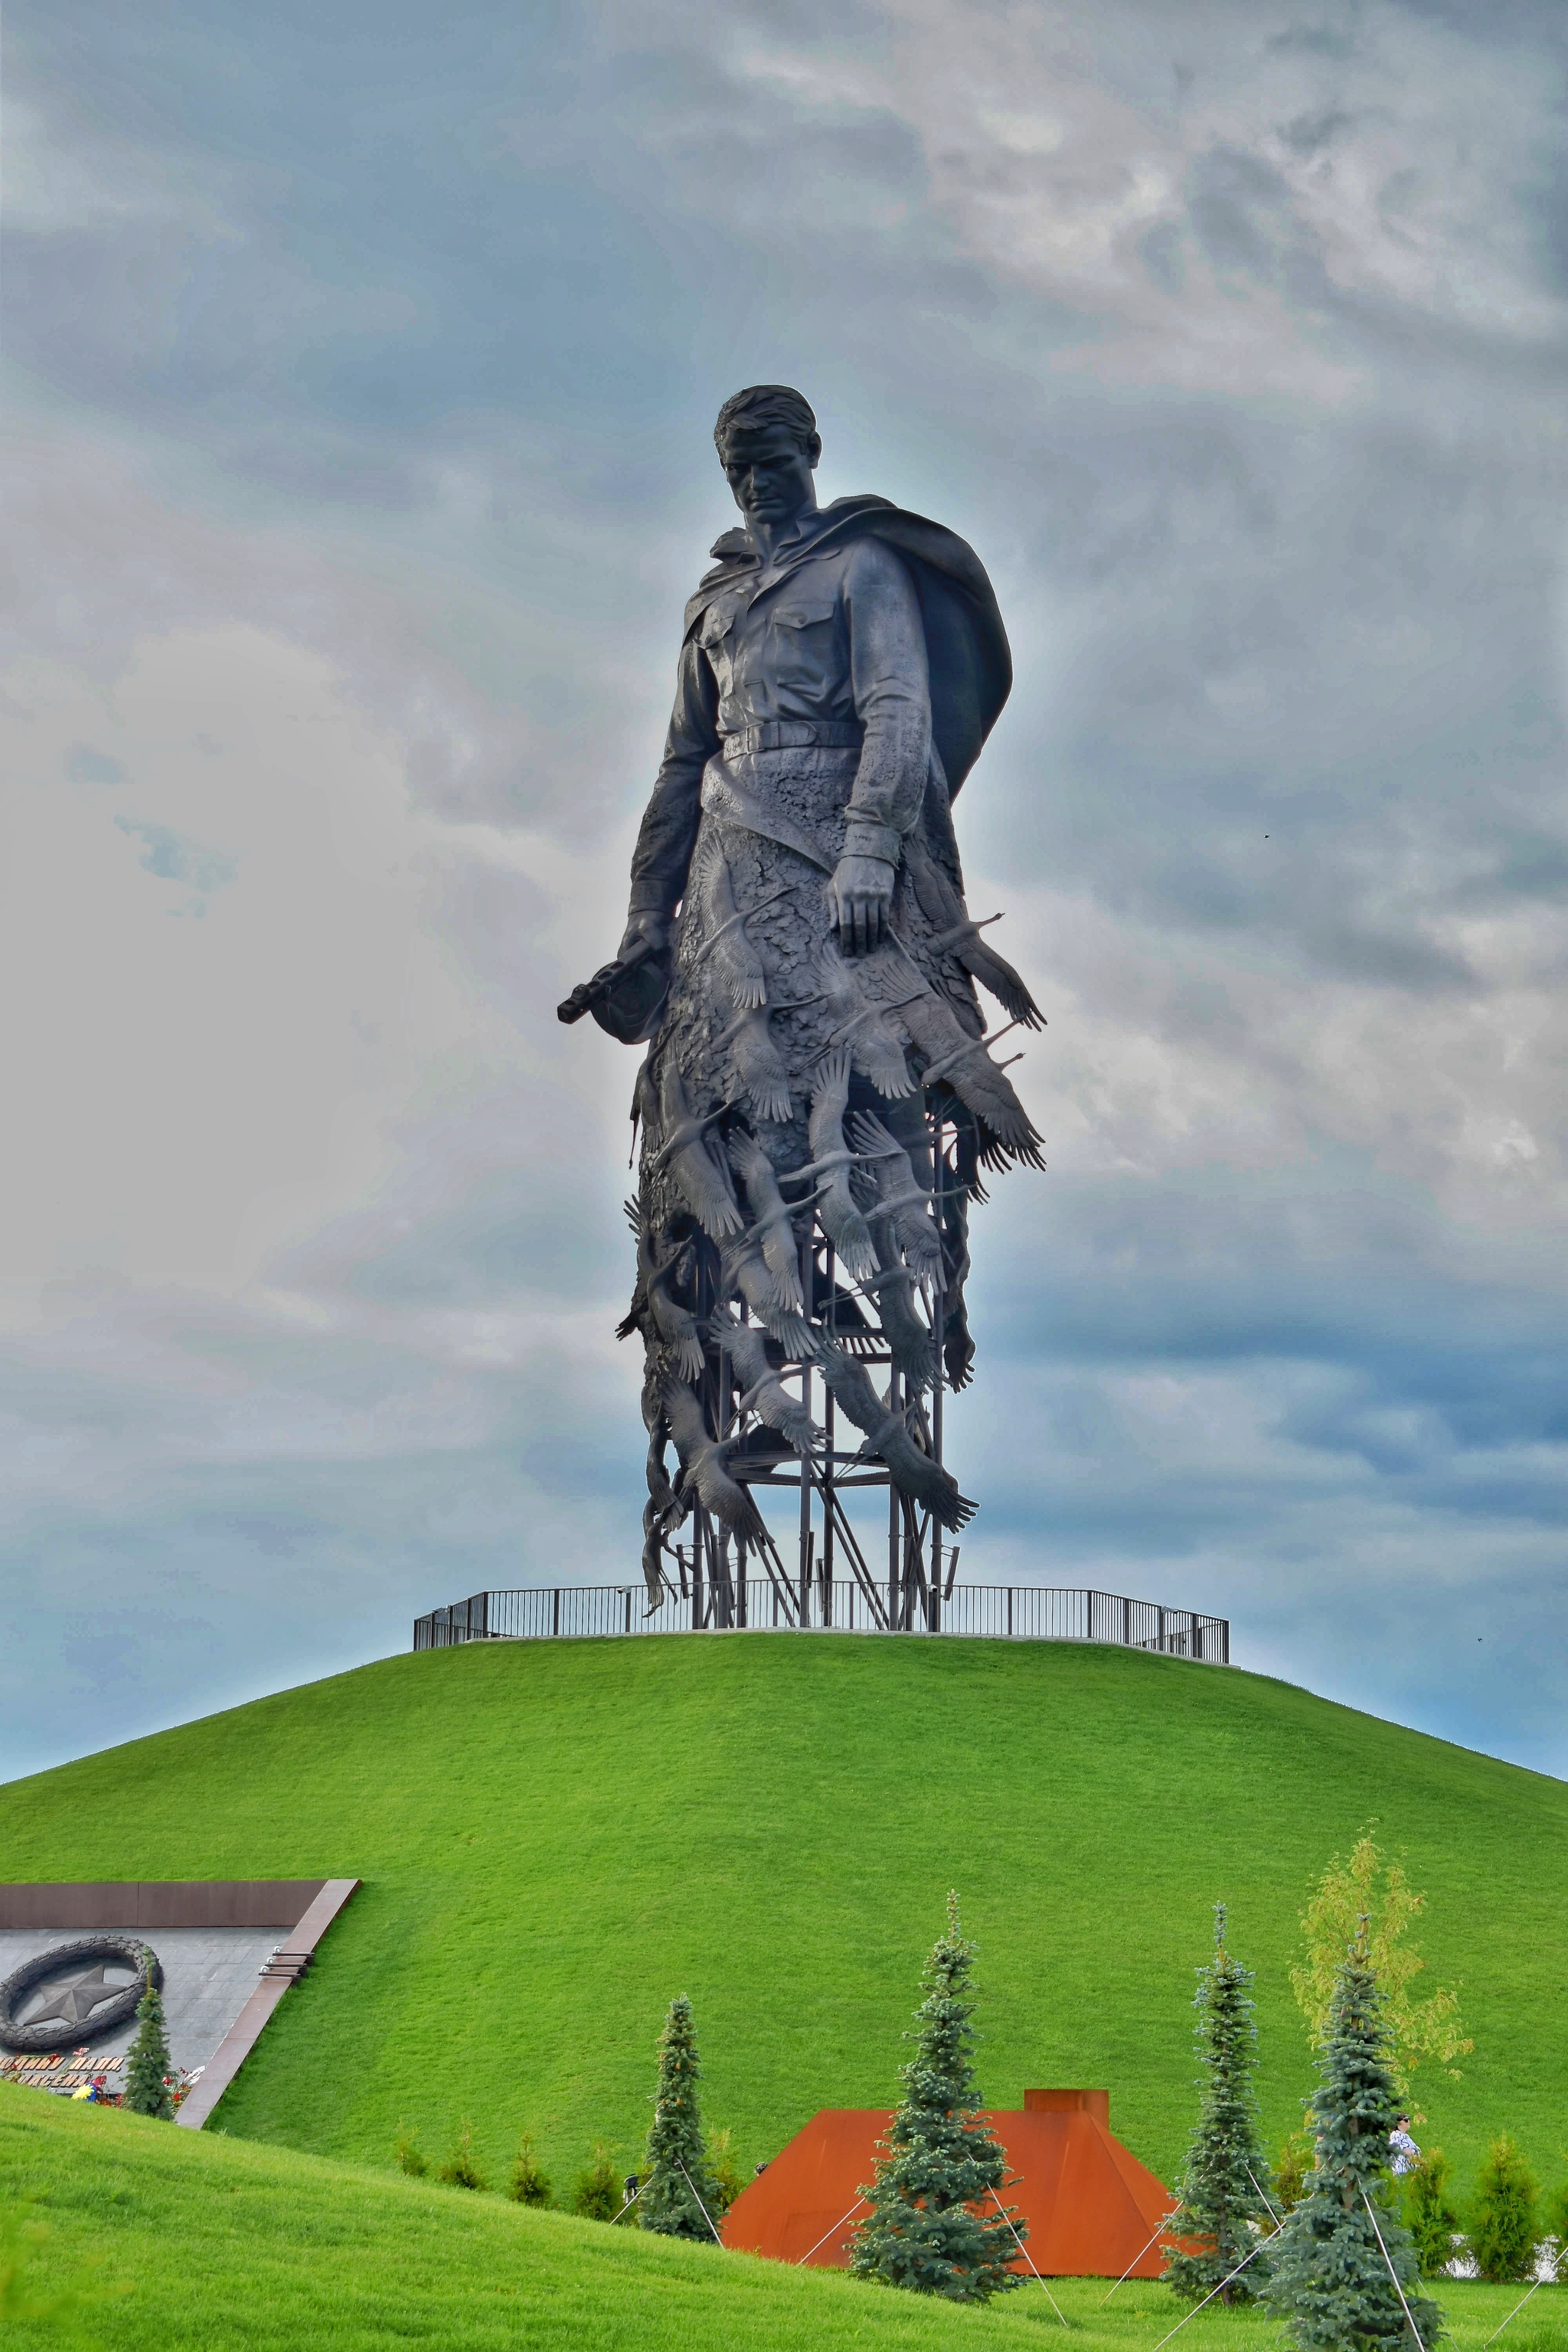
(967, 645)
(971, 674)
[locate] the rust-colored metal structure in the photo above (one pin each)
(1092, 2210)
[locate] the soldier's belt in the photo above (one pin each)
(794, 735)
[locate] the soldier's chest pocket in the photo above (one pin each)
(716, 635)
(803, 635)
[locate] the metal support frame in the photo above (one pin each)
(918, 1560)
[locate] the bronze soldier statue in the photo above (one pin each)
(818, 1098)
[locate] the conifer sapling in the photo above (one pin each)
(1225, 2188)
(462, 2169)
(1334, 2264)
(678, 2195)
(937, 2225)
(1504, 2224)
(529, 2185)
(1429, 2213)
(148, 2073)
(597, 2196)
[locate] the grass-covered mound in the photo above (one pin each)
(557, 1837)
(165, 2239)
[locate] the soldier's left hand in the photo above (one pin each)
(862, 889)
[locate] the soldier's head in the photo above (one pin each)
(768, 445)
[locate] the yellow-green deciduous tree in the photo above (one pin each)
(1370, 1888)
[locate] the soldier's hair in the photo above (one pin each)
(761, 405)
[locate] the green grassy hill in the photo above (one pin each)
(162, 2240)
(557, 1837)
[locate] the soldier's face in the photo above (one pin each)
(770, 474)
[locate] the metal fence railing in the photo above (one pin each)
(1018, 1612)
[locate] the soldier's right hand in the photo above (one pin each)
(645, 934)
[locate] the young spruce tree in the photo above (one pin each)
(147, 2075)
(678, 2196)
(936, 2224)
(1430, 2214)
(530, 2184)
(1225, 2185)
(1504, 2224)
(599, 2196)
(1330, 2270)
(462, 2169)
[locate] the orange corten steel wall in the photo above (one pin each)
(1092, 2208)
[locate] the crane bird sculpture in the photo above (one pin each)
(818, 1098)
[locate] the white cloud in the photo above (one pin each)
(193, 1091)
(1216, 201)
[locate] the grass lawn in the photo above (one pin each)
(168, 2239)
(557, 1837)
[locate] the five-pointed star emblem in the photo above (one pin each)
(72, 2003)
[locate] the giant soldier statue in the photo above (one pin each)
(819, 1099)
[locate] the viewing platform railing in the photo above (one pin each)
(1017, 1613)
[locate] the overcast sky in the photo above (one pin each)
(361, 369)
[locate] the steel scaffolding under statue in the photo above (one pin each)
(712, 1561)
